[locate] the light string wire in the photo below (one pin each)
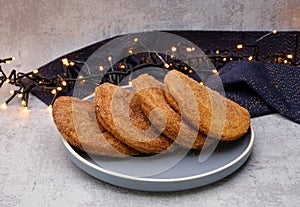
(26, 82)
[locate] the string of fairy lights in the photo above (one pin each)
(59, 84)
(221, 57)
(25, 82)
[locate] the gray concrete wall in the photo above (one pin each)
(36, 32)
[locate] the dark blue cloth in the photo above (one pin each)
(263, 88)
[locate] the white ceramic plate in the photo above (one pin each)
(187, 174)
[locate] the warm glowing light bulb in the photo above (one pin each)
(50, 109)
(4, 106)
(130, 51)
(64, 83)
(101, 68)
(122, 66)
(7, 80)
(65, 61)
(217, 52)
(201, 83)
(72, 63)
(12, 92)
(20, 95)
(166, 65)
(290, 56)
(7, 61)
(13, 58)
(193, 48)
(35, 71)
(23, 102)
(274, 31)
(136, 39)
(80, 77)
(188, 49)
(239, 46)
(54, 91)
(130, 83)
(224, 59)
(190, 71)
(250, 58)
(285, 61)
(59, 88)
(214, 71)
(109, 58)
(26, 110)
(173, 49)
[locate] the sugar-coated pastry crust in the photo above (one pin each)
(76, 120)
(119, 111)
(154, 104)
(218, 116)
(149, 119)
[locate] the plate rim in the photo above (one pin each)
(162, 180)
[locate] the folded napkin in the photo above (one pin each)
(263, 88)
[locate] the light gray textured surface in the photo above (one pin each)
(36, 32)
(34, 168)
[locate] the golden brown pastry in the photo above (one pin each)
(218, 116)
(155, 106)
(76, 120)
(119, 111)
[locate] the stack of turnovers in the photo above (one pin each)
(153, 118)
